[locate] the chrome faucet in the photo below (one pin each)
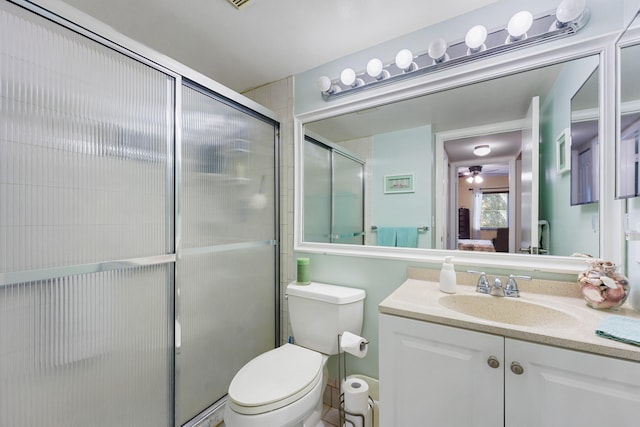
(483, 283)
(497, 290)
(510, 289)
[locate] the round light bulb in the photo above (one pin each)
(374, 68)
(478, 179)
(470, 179)
(437, 49)
(519, 24)
(324, 84)
(476, 36)
(570, 10)
(404, 59)
(348, 77)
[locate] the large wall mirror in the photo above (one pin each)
(484, 167)
(628, 153)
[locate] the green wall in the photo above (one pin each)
(403, 152)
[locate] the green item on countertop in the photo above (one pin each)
(620, 328)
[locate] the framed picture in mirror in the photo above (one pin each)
(398, 183)
(563, 151)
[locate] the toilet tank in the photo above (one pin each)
(319, 312)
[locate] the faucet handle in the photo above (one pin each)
(511, 288)
(483, 282)
(497, 289)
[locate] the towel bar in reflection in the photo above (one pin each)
(422, 229)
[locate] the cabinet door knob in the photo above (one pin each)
(517, 368)
(493, 362)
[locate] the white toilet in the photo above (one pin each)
(284, 386)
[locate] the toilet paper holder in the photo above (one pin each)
(342, 414)
(342, 377)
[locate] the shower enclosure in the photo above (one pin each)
(333, 195)
(138, 261)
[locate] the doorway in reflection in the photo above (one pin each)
(483, 208)
(483, 192)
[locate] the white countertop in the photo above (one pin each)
(419, 300)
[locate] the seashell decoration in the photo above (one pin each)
(603, 286)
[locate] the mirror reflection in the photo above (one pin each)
(628, 184)
(424, 187)
(584, 143)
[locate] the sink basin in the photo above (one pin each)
(513, 311)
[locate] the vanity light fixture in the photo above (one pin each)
(404, 61)
(475, 38)
(375, 69)
(570, 11)
(438, 51)
(327, 87)
(518, 26)
(348, 78)
(522, 30)
(481, 150)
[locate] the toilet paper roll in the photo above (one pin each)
(356, 401)
(354, 344)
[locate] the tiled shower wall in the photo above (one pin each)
(278, 97)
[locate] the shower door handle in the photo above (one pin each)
(177, 332)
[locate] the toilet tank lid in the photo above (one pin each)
(328, 293)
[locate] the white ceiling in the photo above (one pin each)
(267, 40)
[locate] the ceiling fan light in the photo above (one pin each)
(481, 150)
(478, 179)
(470, 179)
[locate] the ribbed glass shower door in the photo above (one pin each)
(226, 234)
(333, 195)
(86, 242)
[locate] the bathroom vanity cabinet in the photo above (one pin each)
(437, 375)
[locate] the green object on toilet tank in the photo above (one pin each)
(303, 271)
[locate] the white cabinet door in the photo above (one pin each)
(434, 375)
(568, 388)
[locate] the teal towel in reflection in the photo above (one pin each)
(386, 236)
(407, 237)
(619, 328)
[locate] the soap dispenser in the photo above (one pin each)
(448, 276)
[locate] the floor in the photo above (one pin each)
(330, 417)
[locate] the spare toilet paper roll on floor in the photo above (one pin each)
(356, 401)
(354, 344)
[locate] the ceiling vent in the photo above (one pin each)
(238, 3)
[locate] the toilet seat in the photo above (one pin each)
(275, 379)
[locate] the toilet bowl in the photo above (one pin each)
(284, 386)
(281, 387)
